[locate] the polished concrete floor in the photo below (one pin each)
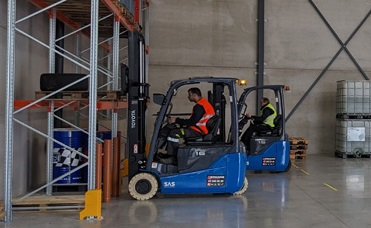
(320, 191)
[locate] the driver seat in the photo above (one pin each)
(274, 131)
(213, 126)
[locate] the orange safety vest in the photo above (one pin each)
(209, 112)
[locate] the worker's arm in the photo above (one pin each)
(266, 112)
(198, 112)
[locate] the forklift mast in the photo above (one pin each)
(137, 89)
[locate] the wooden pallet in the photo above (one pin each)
(295, 156)
(299, 151)
(298, 141)
(39, 203)
(298, 154)
(2, 213)
(298, 147)
(80, 95)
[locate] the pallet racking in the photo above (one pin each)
(103, 21)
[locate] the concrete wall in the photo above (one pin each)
(218, 38)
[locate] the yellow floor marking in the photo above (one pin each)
(295, 165)
(327, 185)
(304, 172)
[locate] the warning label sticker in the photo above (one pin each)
(215, 180)
(269, 161)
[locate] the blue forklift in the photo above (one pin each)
(212, 164)
(269, 148)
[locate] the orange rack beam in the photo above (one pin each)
(101, 105)
(75, 12)
(122, 13)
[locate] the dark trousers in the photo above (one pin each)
(246, 137)
(175, 135)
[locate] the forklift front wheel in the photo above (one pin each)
(243, 188)
(143, 186)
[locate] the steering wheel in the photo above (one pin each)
(242, 117)
(243, 113)
(166, 119)
(167, 115)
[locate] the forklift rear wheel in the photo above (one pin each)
(243, 188)
(286, 169)
(143, 186)
(288, 166)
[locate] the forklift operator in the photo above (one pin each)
(264, 121)
(195, 126)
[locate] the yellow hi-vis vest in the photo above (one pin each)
(269, 120)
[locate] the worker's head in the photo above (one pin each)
(194, 94)
(264, 101)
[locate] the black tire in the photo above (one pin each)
(243, 188)
(288, 166)
(143, 186)
(286, 170)
(52, 82)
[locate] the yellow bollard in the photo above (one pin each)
(93, 204)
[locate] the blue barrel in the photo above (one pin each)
(100, 135)
(85, 144)
(74, 177)
(65, 159)
(69, 136)
(104, 135)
